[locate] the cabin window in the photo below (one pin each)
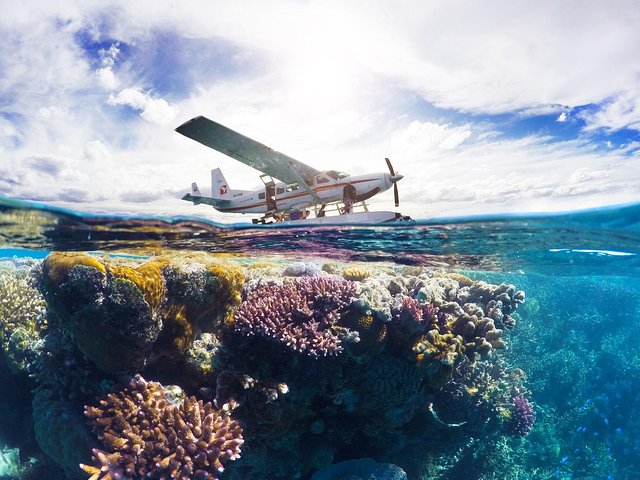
(335, 174)
(261, 195)
(279, 190)
(292, 186)
(320, 179)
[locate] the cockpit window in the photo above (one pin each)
(336, 175)
(292, 186)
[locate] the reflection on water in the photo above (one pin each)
(567, 244)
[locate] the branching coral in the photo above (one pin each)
(301, 314)
(22, 315)
(145, 436)
(521, 418)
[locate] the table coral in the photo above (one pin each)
(300, 314)
(146, 436)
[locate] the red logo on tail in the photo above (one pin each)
(223, 189)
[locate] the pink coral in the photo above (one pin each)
(301, 314)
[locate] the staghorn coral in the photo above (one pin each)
(302, 314)
(146, 436)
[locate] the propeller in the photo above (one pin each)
(394, 179)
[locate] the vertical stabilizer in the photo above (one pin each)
(195, 191)
(219, 186)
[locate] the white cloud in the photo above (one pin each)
(155, 110)
(331, 83)
(623, 111)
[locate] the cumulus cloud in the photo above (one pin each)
(155, 110)
(622, 111)
(105, 73)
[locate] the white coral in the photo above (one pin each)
(20, 302)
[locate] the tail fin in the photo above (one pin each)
(195, 191)
(219, 187)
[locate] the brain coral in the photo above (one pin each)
(114, 322)
(301, 314)
(147, 437)
(61, 430)
(120, 316)
(361, 469)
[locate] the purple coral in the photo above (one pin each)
(411, 316)
(301, 314)
(146, 436)
(522, 417)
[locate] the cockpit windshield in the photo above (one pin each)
(336, 175)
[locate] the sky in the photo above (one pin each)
(484, 107)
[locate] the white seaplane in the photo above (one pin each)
(303, 195)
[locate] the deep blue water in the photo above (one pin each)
(577, 336)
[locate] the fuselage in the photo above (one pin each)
(327, 187)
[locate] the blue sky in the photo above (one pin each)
(485, 107)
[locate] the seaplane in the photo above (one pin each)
(301, 194)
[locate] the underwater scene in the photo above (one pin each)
(503, 347)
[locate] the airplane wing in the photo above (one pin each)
(248, 151)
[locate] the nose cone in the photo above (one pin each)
(396, 178)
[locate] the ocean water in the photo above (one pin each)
(502, 347)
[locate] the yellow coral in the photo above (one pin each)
(147, 277)
(231, 279)
(177, 331)
(462, 280)
(356, 273)
(57, 265)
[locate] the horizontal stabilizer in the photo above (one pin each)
(214, 202)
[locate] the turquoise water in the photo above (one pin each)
(575, 344)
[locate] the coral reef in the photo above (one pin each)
(301, 314)
(145, 436)
(319, 366)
